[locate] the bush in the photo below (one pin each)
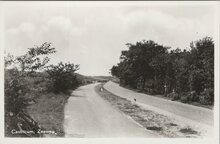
(16, 79)
(192, 96)
(15, 90)
(207, 97)
(19, 90)
(187, 97)
(174, 96)
(63, 76)
(184, 99)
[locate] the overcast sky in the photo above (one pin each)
(93, 34)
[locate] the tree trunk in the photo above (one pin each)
(155, 83)
(143, 84)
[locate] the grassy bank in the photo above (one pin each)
(150, 120)
(36, 92)
(41, 104)
(48, 111)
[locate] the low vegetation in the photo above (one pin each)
(48, 111)
(186, 75)
(39, 90)
(63, 77)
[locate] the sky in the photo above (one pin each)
(93, 34)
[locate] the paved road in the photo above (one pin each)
(187, 112)
(88, 115)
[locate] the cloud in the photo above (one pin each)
(18, 37)
(64, 25)
(151, 17)
(94, 36)
(25, 27)
(58, 30)
(166, 29)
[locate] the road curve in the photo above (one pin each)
(88, 115)
(197, 114)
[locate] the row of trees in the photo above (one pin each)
(182, 74)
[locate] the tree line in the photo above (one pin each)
(186, 75)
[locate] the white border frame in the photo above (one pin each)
(216, 38)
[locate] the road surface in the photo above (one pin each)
(88, 115)
(195, 114)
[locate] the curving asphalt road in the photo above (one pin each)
(186, 112)
(88, 115)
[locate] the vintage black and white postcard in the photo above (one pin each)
(110, 71)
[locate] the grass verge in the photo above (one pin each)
(211, 107)
(48, 111)
(151, 120)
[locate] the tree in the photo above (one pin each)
(138, 64)
(115, 71)
(15, 88)
(63, 76)
(202, 69)
(36, 58)
(203, 53)
(147, 64)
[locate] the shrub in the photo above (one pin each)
(16, 79)
(63, 76)
(18, 90)
(15, 89)
(174, 96)
(207, 97)
(192, 96)
(184, 99)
